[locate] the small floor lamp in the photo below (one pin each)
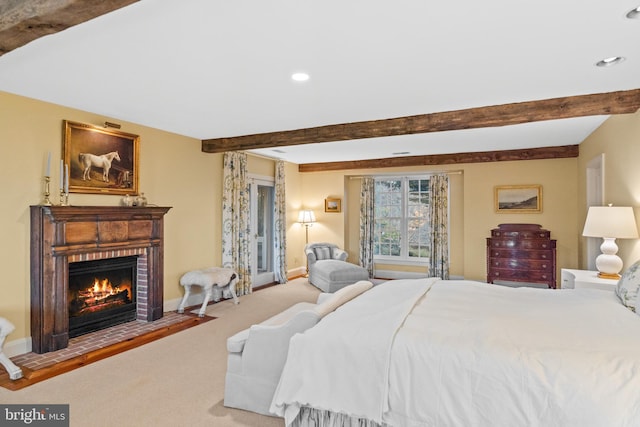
(306, 218)
(610, 223)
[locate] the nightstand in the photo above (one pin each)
(585, 279)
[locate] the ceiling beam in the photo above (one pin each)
(565, 151)
(22, 21)
(621, 102)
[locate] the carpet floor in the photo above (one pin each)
(175, 381)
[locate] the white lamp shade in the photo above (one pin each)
(306, 217)
(610, 221)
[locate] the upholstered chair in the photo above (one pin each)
(328, 269)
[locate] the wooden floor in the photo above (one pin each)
(95, 346)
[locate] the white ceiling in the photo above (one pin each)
(211, 68)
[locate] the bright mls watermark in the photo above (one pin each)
(34, 415)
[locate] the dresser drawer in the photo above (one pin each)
(522, 244)
(546, 234)
(521, 264)
(521, 254)
(520, 275)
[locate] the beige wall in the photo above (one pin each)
(619, 140)
(472, 205)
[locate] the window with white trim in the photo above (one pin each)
(401, 231)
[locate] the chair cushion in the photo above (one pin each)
(341, 296)
(322, 252)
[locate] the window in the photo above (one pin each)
(401, 229)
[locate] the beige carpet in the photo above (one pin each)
(175, 381)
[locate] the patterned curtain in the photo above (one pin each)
(439, 227)
(367, 221)
(236, 240)
(280, 228)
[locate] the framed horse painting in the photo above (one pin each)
(100, 160)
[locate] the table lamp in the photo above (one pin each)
(610, 223)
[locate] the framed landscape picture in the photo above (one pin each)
(332, 205)
(518, 198)
(100, 160)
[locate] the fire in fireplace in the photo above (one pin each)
(102, 293)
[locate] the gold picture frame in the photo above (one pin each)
(332, 205)
(518, 198)
(100, 160)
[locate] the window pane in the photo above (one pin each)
(388, 217)
(402, 218)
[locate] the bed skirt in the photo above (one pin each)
(311, 417)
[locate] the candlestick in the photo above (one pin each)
(64, 198)
(46, 201)
(61, 175)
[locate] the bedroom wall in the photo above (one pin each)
(173, 172)
(472, 203)
(618, 138)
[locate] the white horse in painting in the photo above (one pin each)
(88, 160)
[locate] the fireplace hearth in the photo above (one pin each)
(64, 237)
(102, 293)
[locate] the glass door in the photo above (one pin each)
(262, 199)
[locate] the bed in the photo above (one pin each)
(428, 352)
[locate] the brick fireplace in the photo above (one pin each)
(61, 235)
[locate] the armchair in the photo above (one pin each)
(328, 269)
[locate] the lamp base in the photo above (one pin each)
(611, 276)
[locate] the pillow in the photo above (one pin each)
(628, 286)
(322, 252)
(341, 296)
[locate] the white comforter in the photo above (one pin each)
(470, 354)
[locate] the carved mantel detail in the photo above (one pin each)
(62, 234)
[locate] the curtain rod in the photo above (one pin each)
(452, 172)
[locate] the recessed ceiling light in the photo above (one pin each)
(300, 77)
(634, 13)
(610, 61)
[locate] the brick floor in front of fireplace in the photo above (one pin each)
(87, 343)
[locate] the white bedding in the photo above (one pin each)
(471, 354)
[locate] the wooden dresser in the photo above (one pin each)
(521, 253)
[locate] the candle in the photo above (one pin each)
(48, 172)
(61, 175)
(66, 179)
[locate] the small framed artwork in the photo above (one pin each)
(332, 205)
(100, 160)
(518, 198)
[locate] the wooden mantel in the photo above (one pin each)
(59, 233)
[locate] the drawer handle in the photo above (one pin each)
(544, 256)
(496, 244)
(497, 254)
(497, 263)
(544, 276)
(544, 265)
(496, 274)
(544, 245)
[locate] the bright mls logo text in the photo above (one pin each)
(37, 415)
